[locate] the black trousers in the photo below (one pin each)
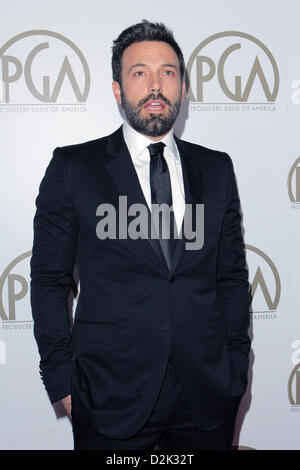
(169, 427)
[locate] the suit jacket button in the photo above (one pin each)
(164, 327)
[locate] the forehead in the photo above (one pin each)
(148, 52)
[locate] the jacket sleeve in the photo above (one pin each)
(233, 295)
(52, 264)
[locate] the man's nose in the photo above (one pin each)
(155, 83)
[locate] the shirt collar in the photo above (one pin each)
(137, 142)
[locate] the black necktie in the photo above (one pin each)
(161, 193)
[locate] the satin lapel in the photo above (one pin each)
(123, 174)
(192, 180)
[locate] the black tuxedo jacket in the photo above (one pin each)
(132, 312)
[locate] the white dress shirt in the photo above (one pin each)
(137, 145)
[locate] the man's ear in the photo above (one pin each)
(117, 91)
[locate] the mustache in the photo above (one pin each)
(154, 96)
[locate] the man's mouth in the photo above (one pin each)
(155, 106)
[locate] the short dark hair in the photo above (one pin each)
(144, 31)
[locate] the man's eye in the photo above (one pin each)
(138, 73)
(169, 72)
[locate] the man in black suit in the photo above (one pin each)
(159, 348)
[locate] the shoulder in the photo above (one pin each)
(85, 155)
(83, 149)
(204, 157)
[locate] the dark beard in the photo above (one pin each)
(156, 124)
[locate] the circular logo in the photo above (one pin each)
(232, 65)
(294, 385)
(294, 177)
(44, 65)
(265, 276)
(17, 287)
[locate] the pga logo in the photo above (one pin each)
(233, 66)
(45, 66)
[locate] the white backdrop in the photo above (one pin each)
(70, 43)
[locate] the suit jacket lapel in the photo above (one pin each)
(122, 172)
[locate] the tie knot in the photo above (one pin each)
(155, 149)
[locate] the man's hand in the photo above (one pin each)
(67, 404)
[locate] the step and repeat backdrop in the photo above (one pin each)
(243, 98)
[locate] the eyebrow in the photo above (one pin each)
(136, 65)
(145, 65)
(170, 65)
